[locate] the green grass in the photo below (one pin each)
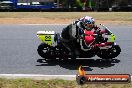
(118, 16)
(56, 83)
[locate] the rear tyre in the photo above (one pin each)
(43, 49)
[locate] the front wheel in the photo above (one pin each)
(113, 52)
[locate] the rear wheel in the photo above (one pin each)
(45, 51)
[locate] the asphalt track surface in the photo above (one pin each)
(18, 53)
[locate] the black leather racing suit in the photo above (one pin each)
(69, 36)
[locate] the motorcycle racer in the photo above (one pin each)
(71, 33)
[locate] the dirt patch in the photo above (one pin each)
(33, 21)
(53, 21)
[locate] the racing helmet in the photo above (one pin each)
(88, 22)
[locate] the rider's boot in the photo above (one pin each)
(74, 53)
(73, 56)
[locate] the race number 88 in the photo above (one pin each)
(47, 38)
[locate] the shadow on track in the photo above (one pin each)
(74, 64)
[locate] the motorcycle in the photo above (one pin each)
(89, 45)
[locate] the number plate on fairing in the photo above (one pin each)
(46, 37)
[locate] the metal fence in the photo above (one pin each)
(76, 5)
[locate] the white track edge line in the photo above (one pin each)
(40, 76)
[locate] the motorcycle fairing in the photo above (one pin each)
(111, 38)
(109, 35)
(47, 37)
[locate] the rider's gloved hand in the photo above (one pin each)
(102, 31)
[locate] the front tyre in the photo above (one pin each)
(113, 52)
